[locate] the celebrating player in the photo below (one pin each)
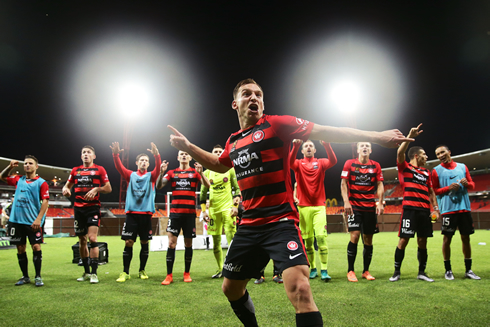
(221, 192)
(310, 193)
(362, 180)
(27, 215)
(417, 197)
(451, 182)
(268, 229)
(140, 206)
(89, 180)
(184, 181)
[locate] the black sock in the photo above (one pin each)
(94, 263)
(37, 258)
(422, 256)
(467, 264)
(351, 255)
(276, 270)
(23, 263)
(144, 253)
(367, 256)
(188, 258)
(245, 310)
(170, 260)
(309, 319)
(86, 265)
(207, 242)
(399, 255)
(447, 265)
(127, 257)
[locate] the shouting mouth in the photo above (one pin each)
(253, 107)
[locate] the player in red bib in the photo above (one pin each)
(269, 227)
(310, 198)
(362, 181)
(89, 180)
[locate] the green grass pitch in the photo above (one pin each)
(410, 302)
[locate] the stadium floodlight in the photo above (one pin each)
(346, 96)
(132, 99)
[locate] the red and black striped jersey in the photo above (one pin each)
(363, 182)
(415, 182)
(260, 156)
(85, 179)
(184, 185)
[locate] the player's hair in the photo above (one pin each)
(413, 151)
(141, 155)
(217, 146)
(442, 145)
(357, 144)
(243, 82)
(88, 147)
(28, 156)
(308, 141)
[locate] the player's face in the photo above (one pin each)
(443, 154)
(249, 102)
(207, 203)
(217, 151)
(308, 149)
(143, 163)
(422, 158)
(88, 156)
(30, 165)
(364, 149)
(183, 157)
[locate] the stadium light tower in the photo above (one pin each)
(346, 96)
(132, 99)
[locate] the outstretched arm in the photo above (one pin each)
(161, 182)
(414, 132)
(205, 158)
(6, 172)
(332, 158)
(388, 139)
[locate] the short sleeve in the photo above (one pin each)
(104, 178)
(44, 191)
(224, 158)
(290, 127)
(12, 180)
(71, 178)
(346, 170)
(379, 173)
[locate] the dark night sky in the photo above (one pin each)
(441, 50)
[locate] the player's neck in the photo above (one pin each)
(248, 122)
(184, 166)
(88, 164)
(414, 163)
(31, 175)
(363, 159)
(142, 171)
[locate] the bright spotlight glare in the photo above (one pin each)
(346, 96)
(132, 99)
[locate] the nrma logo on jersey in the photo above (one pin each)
(183, 183)
(244, 158)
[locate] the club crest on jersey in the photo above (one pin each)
(225, 179)
(244, 158)
(92, 172)
(371, 171)
(258, 136)
(233, 147)
(211, 182)
(299, 121)
(191, 175)
(292, 245)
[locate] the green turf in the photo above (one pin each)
(64, 301)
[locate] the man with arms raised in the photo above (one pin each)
(451, 182)
(418, 195)
(140, 207)
(89, 180)
(27, 215)
(222, 190)
(310, 192)
(268, 229)
(362, 181)
(184, 181)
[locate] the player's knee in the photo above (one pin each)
(130, 243)
(322, 242)
(36, 247)
(465, 239)
(21, 248)
(309, 243)
(92, 239)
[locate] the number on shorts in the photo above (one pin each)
(12, 231)
(445, 221)
(211, 222)
(406, 223)
(350, 218)
(76, 223)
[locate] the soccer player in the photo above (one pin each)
(361, 182)
(184, 181)
(310, 192)
(140, 206)
(223, 189)
(89, 180)
(27, 215)
(268, 229)
(418, 195)
(451, 182)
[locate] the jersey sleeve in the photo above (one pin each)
(13, 180)
(224, 158)
(379, 173)
(471, 184)
(104, 178)
(332, 158)
(289, 127)
(169, 175)
(204, 190)
(71, 178)
(292, 156)
(125, 173)
(44, 191)
(234, 183)
(156, 171)
(346, 170)
(436, 186)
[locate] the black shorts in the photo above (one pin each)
(19, 233)
(185, 222)
(461, 220)
(86, 217)
(365, 221)
(412, 221)
(137, 225)
(253, 247)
